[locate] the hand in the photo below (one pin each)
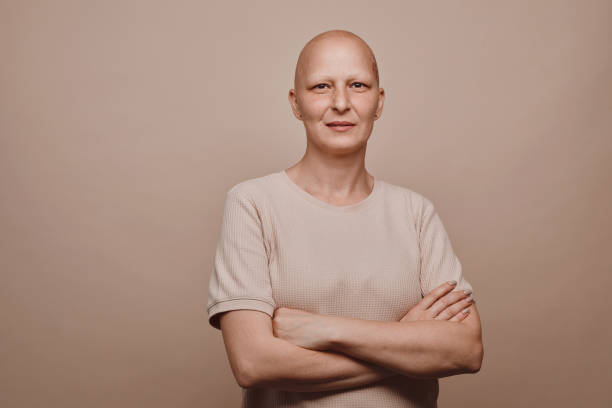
(304, 329)
(441, 304)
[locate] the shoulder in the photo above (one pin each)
(415, 201)
(255, 192)
(253, 187)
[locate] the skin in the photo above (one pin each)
(337, 79)
(428, 342)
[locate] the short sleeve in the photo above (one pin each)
(240, 278)
(438, 262)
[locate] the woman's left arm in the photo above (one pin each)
(422, 348)
(418, 349)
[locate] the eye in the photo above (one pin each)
(359, 83)
(319, 86)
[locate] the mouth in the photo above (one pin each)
(340, 126)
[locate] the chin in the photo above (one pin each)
(344, 144)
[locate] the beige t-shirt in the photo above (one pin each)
(281, 246)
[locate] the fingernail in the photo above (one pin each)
(466, 310)
(453, 282)
(467, 291)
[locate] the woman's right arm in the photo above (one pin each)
(259, 359)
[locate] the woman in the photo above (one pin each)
(331, 287)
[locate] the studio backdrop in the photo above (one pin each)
(124, 123)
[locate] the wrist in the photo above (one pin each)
(330, 332)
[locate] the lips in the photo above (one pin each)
(340, 126)
(340, 123)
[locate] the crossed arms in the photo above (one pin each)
(346, 352)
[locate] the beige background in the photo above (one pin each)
(123, 124)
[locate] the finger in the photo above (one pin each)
(463, 313)
(446, 302)
(435, 294)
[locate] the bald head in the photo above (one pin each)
(325, 39)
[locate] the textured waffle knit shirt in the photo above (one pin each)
(281, 246)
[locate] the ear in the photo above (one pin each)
(294, 105)
(381, 101)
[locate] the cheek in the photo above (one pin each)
(365, 107)
(314, 107)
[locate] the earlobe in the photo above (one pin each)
(381, 101)
(293, 103)
(291, 97)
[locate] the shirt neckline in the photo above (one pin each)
(324, 204)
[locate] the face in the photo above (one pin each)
(335, 82)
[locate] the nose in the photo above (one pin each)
(340, 100)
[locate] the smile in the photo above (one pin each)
(340, 126)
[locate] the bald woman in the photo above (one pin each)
(333, 288)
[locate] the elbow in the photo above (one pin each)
(245, 375)
(474, 362)
(255, 368)
(254, 371)
(244, 381)
(468, 359)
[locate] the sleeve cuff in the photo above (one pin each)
(219, 307)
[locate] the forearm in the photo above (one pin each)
(418, 349)
(282, 365)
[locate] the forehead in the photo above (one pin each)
(336, 57)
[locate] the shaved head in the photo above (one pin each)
(336, 80)
(333, 35)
